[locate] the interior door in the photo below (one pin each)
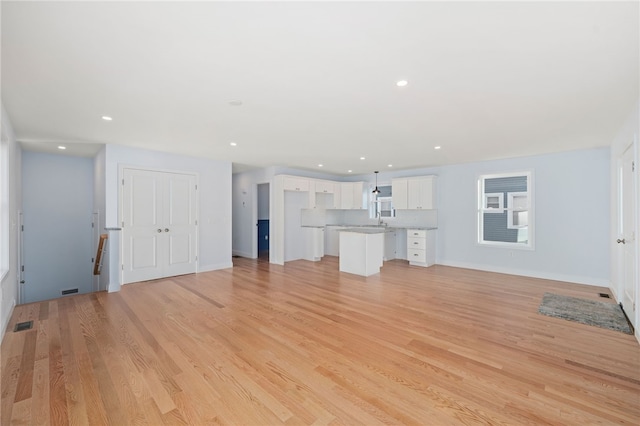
(627, 234)
(180, 224)
(142, 226)
(159, 223)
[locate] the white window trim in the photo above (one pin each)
(510, 208)
(530, 245)
(500, 207)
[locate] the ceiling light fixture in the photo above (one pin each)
(349, 171)
(362, 158)
(402, 83)
(62, 147)
(233, 144)
(436, 147)
(390, 165)
(106, 118)
(319, 165)
(376, 191)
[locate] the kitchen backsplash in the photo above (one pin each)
(403, 219)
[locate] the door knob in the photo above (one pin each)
(159, 230)
(620, 241)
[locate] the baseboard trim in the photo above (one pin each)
(576, 279)
(243, 254)
(7, 319)
(215, 267)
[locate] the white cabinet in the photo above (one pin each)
(323, 194)
(399, 193)
(351, 195)
(414, 193)
(421, 193)
(294, 183)
(314, 238)
(325, 186)
(421, 247)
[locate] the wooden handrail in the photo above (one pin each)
(98, 262)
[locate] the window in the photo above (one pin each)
(505, 210)
(381, 204)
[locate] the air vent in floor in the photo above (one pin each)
(605, 295)
(21, 326)
(70, 291)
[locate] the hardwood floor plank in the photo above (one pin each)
(305, 344)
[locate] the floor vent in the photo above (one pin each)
(605, 295)
(70, 291)
(21, 326)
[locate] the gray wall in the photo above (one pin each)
(58, 239)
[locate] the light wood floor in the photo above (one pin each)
(262, 344)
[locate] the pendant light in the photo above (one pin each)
(376, 191)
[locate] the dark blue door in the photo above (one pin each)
(263, 235)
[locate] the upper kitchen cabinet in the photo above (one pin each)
(294, 183)
(351, 195)
(414, 193)
(326, 194)
(325, 186)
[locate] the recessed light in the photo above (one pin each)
(362, 158)
(390, 165)
(62, 147)
(437, 147)
(319, 165)
(106, 118)
(402, 83)
(233, 144)
(349, 171)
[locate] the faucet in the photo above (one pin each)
(380, 222)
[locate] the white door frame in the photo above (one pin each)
(254, 218)
(630, 238)
(121, 169)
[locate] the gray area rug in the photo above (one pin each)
(590, 312)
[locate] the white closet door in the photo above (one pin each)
(180, 224)
(158, 224)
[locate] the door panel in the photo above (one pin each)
(159, 225)
(181, 224)
(141, 225)
(627, 234)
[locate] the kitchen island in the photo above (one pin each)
(361, 250)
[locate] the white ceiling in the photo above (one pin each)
(317, 80)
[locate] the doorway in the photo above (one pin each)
(263, 220)
(626, 238)
(57, 239)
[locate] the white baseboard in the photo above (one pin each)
(243, 254)
(576, 279)
(215, 267)
(6, 319)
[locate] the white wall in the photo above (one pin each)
(571, 193)
(629, 133)
(57, 202)
(263, 201)
(214, 212)
(9, 284)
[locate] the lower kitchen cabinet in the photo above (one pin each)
(314, 238)
(421, 247)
